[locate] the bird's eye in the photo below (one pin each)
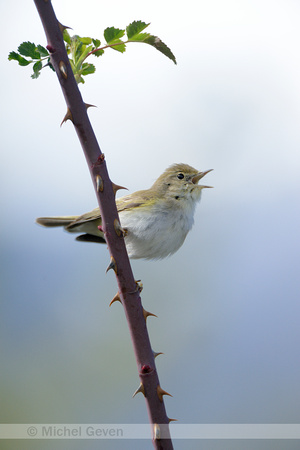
(180, 176)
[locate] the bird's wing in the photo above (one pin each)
(131, 201)
(123, 203)
(87, 217)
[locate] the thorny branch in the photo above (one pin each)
(128, 293)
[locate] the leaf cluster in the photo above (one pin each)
(80, 48)
(36, 54)
(135, 33)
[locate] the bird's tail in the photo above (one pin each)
(59, 221)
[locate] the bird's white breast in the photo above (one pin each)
(156, 232)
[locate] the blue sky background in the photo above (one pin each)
(228, 301)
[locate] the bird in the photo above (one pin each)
(155, 221)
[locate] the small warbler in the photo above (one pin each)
(155, 221)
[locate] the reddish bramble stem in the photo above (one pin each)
(128, 292)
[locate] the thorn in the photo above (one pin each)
(116, 187)
(139, 389)
(99, 183)
(112, 265)
(155, 354)
(68, 116)
(147, 314)
(118, 229)
(172, 420)
(63, 27)
(87, 105)
(161, 392)
(156, 432)
(116, 299)
(63, 69)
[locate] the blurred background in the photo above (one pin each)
(228, 300)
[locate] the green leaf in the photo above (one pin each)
(50, 65)
(99, 52)
(85, 40)
(76, 47)
(79, 78)
(29, 49)
(141, 37)
(135, 28)
(84, 52)
(113, 34)
(72, 66)
(96, 42)
(37, 67)
(118, 45)
(67, 37)
(43, 51)
(160, 46)
(87, 69)
(16, 57)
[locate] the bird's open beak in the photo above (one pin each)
(198, 177)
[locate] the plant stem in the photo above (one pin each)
(104, 47)
(128, 292)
